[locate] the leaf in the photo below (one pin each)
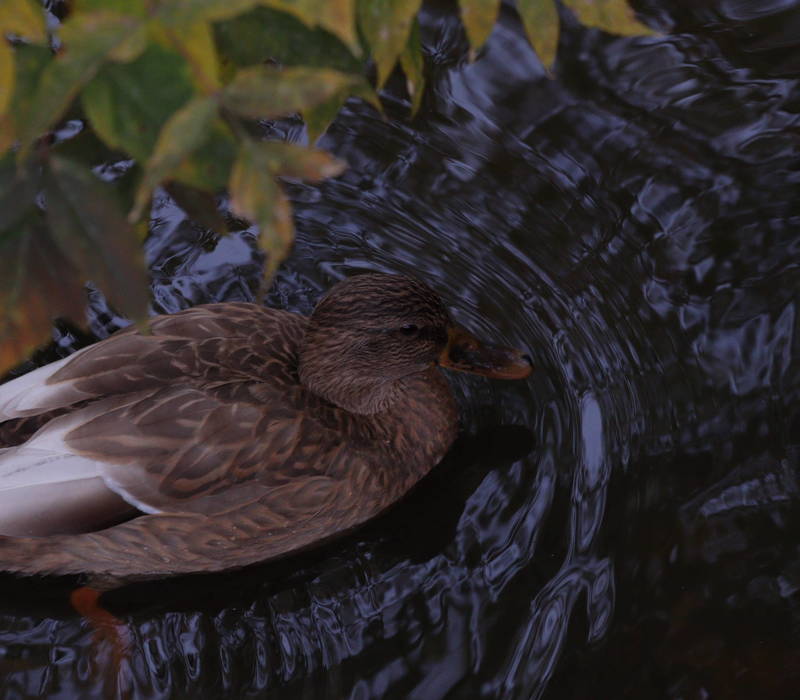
(263, 92)
(184, 132)
(479, 17)
(17, 193)
(36, 284)
(199, 206)
(209, 166)
(190, 12)
(134, 8)
(195, 43)
(386, 25)
(89, 39)
(337, 16)
(127, 104)
(24, 18)
(6, 133)
(318, 118)
(90, 227)
(413, 63)
(614, 16)
(255, 195)
(265, 34)
(289, 160)
(540, 18)
(131, 47)
(29, 62)
(6, 75)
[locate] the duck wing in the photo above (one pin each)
(106, 472)
(215, 342)
(176, 450)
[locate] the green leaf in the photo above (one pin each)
(209, 167)
(263, 92)
(90, 227)
(134, 8)
(7, 75)
(614, 16)
(88, 39)
(540, 19)
(255, 195)
(265, 34)
(24, 18)
(413, 63)
(386, 25)
(17, 192)
(127, 104)
(6, 133)
(29, 62)
(37, 283)
(479, 17)
(337, 16)
(183, 133)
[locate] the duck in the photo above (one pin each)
(231, 433)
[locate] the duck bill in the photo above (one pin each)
(465, 353)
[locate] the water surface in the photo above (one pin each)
(623, 524)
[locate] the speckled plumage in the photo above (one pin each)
(205, 426)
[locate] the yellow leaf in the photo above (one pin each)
(23, 17)
(319, 118)
(262, 91)
(479, 17)
(540, 18)
(184, 131)
(132, 46)
(614, 16)
(386, 25)
(196, 43)
(339, 18)
(289, 160)
(6, 74)
(255, 195)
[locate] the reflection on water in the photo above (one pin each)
(622, 524)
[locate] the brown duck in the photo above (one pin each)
(230, 433)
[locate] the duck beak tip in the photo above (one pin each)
(464, 353)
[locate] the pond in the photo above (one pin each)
(622, 524)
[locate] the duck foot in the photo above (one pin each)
(111, 641)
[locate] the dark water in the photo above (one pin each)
(625, 523)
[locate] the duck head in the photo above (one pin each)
(372, 331)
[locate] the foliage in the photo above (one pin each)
(173, 86)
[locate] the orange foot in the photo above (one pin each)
(111, 640)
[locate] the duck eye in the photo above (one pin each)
(409, 329)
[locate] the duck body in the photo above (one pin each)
(224, 435)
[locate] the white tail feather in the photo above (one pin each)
(31, 394)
